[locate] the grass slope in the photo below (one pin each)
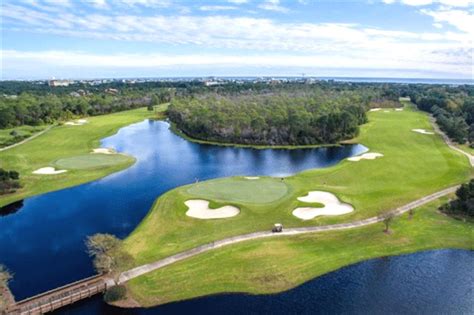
(277, 264)
(414, 165)
(22, 132)
(88, 161)
(241, 190)
(64, 142)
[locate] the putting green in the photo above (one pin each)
(85, 161)
(235, 189)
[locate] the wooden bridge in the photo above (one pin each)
(62, 296)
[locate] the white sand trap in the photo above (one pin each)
(332, 205)
(365, 156)
(398, 109)
(423, 131)
(104, 151)
(200, 209)
(48, 171)
(375, 109)
(251, 177)
(386, 111)
(78, 122)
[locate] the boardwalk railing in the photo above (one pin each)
(62, 296)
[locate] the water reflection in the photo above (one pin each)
(11, 208)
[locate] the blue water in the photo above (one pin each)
(434, 282)
(42, 238)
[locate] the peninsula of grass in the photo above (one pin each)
(414, 165)
(276, 264)
(66, 144)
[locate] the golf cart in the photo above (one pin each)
(277, 228)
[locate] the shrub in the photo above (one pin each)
(115, 293)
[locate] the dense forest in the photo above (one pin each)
(30, 109)
(247, 112)
(453, 108)
(294, 114)
(464, 204)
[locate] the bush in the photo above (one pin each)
(463, 206)
(116, 293)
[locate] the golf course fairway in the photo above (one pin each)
(63, 145)
(413, 165)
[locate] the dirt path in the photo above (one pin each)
(27, 139)
(449, 142)
(141, 270)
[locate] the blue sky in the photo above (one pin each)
(160, 38)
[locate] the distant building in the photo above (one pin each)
(111, 91)
(211, 83)
(55, 83)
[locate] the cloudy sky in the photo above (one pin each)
(153, 38)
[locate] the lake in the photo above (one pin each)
(433, 282)
(42, 238)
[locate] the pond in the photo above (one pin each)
(433, 282)
(42, 238)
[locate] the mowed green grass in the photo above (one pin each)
(22, 132)
(238, 189)
(414, 165)
(87, 161)
(277, 264)
(64, 142)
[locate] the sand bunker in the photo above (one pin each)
(332, 205)
(104, 151)
(78, 122)
(386, 111)
(423, 131)
(375, 109)
(365, 156)
(251, 177)
(398, 109)
(200, 209)
(48, 171)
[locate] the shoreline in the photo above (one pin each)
(34, 187)
(185, 136)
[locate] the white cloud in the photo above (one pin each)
(217, 8)
(101, 4)
(273, 5)
(238, 1)
(461, 19)
(64, 59)
(438, 25)
(278, 43)
(451, 3)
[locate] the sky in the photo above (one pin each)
(72, 39)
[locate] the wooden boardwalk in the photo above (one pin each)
(62, 296)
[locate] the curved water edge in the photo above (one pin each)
(430, 282)
(48, 231)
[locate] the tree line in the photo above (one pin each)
(289, 114)
(36, 109)
(453, 108)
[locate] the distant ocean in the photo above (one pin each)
(378, 80)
